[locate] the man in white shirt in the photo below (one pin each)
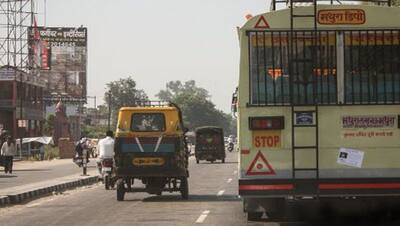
(8, 151)
(105, 148)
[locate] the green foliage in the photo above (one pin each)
(196, 107)
(396, 2)
(176, 88)
(49, 125)
(51, 152)
(122, 93)
(94, 131)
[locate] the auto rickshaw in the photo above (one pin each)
(210, 144)
(150, 147)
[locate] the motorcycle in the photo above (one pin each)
(80, 161)
(230, 146)
(107, 172)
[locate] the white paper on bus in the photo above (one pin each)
(350, 157)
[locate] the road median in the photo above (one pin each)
(19, 194)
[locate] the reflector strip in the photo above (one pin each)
(360, 186)
(245, 152)
(158, 143)
(140, 145)
(253, 187)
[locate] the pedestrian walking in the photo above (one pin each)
(8, 151)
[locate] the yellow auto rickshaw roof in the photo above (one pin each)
(149, 108)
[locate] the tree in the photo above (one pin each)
(176, 88)
(49, 125)
(197, 109)
(122, 93)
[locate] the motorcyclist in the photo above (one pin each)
(105, 148)
(80, 146)
(231, 143)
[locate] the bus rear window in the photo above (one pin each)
(148, 122)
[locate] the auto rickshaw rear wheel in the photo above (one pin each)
(197, 161)
(223, 160)
(120, 189)
(184, 188)
(107, 182)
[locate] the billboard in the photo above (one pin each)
(59, 56)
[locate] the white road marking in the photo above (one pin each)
(220, 193)
(203, 216)
(229, 180)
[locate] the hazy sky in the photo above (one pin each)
(156, 41)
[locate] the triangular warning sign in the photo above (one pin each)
(260, 166)
(262, 23)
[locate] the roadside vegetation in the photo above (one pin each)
(195, 103)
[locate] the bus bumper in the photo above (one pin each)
(301, 197)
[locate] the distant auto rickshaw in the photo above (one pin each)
(210, 144)
(150, 146)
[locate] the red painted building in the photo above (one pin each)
(19, 90)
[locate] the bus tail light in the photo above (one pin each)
(267, 123)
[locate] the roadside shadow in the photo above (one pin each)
(355, 220)
(133, 200)
(219, 162)
(193, 198)
(7, 176)
(30, 170)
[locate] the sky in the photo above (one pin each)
(156, 41)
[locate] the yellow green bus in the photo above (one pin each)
(318, 109)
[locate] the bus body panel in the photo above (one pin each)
(380, 146)
(373, 177)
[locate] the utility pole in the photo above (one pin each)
(109, 110)
(21, 94)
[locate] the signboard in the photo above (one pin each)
(148, 161)
(301, 38)
(350, 157)
(341, 16)
(368, 126)
(7, 74)
(262, 23)
(260, 166)
(22, 123)
(267, 139)
(59, 54)
(365, 38)
(304, 118)
(368, 121)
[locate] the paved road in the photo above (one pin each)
(213, 201)
(26, 172)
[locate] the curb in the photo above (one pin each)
(4, 200)
(37, 192)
